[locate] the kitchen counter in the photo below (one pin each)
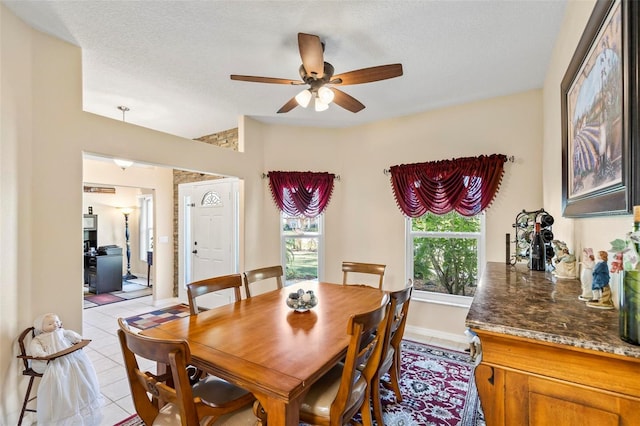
(546, 357)
(516, 301)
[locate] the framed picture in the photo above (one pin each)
(599, 105)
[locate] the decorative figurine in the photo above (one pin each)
(600, 284)
(564, 262)
(80, 402)
(586, 274)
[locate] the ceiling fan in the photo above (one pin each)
(318, 74)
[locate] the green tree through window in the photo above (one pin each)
(446, 252)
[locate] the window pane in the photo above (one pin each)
(445, 265)
(450, 222)
(298, 225)
(301, 259)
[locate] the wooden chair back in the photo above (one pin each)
(262, 274)
(390, 359)
(210, 401)
(210, 285)
(149, 391)
(363, 268)
(367, 332)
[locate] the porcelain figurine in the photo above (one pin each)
(564, 262)
(586, 274)
(600, 284)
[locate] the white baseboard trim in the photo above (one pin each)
(426, 333)
(166, 302)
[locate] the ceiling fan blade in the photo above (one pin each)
(265, 79)
(311, 52)
(368, 75)
(347, 102)
(291, 104)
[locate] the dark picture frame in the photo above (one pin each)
(599, 108)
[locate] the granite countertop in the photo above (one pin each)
(516, 301)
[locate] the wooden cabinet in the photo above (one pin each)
(547, 358)
(527, 382)
(103, 273)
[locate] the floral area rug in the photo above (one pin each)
(438, 389)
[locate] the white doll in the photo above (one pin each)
(586, 274)
(69, 393)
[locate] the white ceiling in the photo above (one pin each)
(170, 61)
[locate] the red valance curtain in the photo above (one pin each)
(466, 185)
(301, 193)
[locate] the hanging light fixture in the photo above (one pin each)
(326, 95)
(122, 163)
(303, 98)
(321, 106)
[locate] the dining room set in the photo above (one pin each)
(311, 352)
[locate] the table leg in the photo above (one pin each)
(281, 413)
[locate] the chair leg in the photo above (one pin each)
(365, 409)
(26, 400)
(394, 382)
(375, 397)
(260, 413)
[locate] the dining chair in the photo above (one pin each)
(363, 268)
(210, 285)
(169, 398)
(391, 351)
(262, 274)
(345, 389)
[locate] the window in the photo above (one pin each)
(301, 247)
(146, 225)
(445, 256)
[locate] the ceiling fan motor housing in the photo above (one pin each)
(310, 78)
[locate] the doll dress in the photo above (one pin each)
(69, 393)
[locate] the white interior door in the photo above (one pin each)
(209, 222)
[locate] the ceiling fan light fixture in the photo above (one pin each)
(326, 95)
(303, 98)
(321, 106)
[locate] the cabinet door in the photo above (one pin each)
(546, 410)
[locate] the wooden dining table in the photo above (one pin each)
(262, 345)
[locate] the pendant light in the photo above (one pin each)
(120, 162)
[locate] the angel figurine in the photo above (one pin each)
(586, 274)
(69, 393)
(565, 262)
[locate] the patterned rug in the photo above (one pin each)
(103, 299)
(157, 317)
(438, 389)
(130, 290)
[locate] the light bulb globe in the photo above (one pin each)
(321, 106)
(303, 98)
(326, 95)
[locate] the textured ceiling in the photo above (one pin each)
(170, 61)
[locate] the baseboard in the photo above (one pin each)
(426, 334)
(167, 302)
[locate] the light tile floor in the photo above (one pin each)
(100, 325)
